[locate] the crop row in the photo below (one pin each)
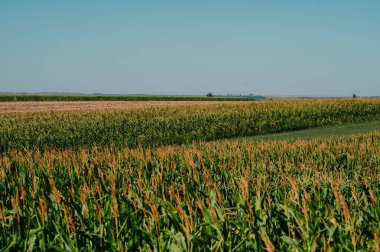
(231, 196)
(30, 97)
(175, 125)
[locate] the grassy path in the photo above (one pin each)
(339, 130)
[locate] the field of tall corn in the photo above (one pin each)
(236, 195)
(114, 181)
(175, 125)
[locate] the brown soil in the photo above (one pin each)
(36, 106)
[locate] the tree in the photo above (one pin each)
(354, 96)
(209, 95)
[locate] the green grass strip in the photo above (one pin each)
(43, 97)
(323, 132)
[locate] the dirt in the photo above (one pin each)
(36, 106)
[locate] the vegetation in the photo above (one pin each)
(104, 181)
(323, 132)
(230, 196)
(42, 97)
(175, 125)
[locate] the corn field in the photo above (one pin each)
(147, 180)
(227, 196)
(175, 125)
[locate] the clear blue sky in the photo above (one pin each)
(300, 47)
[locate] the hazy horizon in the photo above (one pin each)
(313, 48)
(179, 94)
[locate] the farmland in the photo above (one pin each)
(51, 106)
(81, 97)
(322, 132)
(175, 125)
(148, 179)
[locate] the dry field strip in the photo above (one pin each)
(44, 106)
